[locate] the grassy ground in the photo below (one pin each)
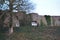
(27, 33)
(2, 36)
(35, 33)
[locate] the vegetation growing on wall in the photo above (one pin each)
(42, 24)
(48, 19)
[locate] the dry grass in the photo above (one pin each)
(35, 33)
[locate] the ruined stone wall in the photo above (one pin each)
(15, 22)
(56, 20)
(38, 18)
(6, 21)
(28, 19)
(21, 17)
(35, 17)
(44, 20)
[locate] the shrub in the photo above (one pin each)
(48, 19)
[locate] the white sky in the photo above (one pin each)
(47, 7)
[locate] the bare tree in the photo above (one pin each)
(18, 5)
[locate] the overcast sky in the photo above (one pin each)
(43, 7)
(47, 7)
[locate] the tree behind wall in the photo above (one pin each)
(48, 19)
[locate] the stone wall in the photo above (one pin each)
(56, 20)
(38, 18)
(26, 19)
(44, 20)
(21, 17)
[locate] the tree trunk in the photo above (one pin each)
(10, 23)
